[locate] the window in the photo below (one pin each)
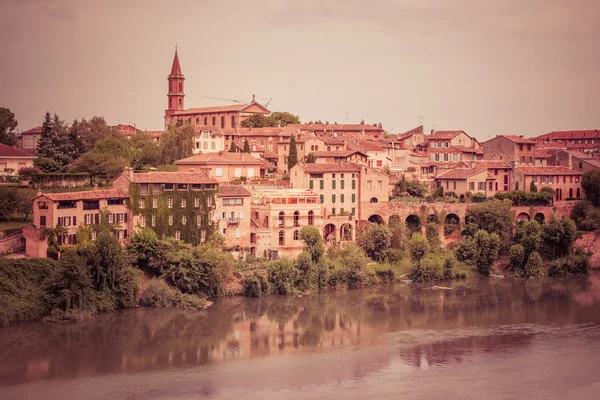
(214, 121)
(281, 218)
(281, 238)
(209, 201)
(183, 203)
(333, 198)
(353, 183)
(353, 212)
(121, 218)
(379, 163)
(232, 121)
(454, 185)
(87, 219)
(333, 184)
(342, 183)
(178, 235)
(495, 172)
(205, 121)
(142, 203)
(491, 186)
(374, 200)
(198, 219)
(197, 121)
(155, 202)
(311, 184)
(142, 220)
(218, 171)
(115, 202)
(321, 198)
(333, 211)
(471, 185)
(369, 185)
(196, 202)
(353, 198)
(481, 186)
(43, 220)
(233, 202)
(170, 202)
(182, 186)
(67, 204)
(341, 198)
(237, 233)
(311, 217)
(237, 172)
(296, 218)
(379, 185)
(170, 220)
(322, 184)
(169, 186)
(42, 205)
(91, 204)
(203, 236)
(183, 220)
(296, 235)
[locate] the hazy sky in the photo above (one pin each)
(485, 66)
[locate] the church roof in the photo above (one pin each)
(176, 68)
(217, 109)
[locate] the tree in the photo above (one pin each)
(311, 235)
(108, 158)
(293, 153)
(246, 146)
(283, 118)
(55, 149)
(418, 246)
(402, 188)
(517, 258)
(399, 234)
(8, 123)
(311, 158)
(532, 187)
(558, 235)
(586, 216)
(375, 239)
(533, 266)
(9, 202)
(256, 121)
(494, 216)
(432, 231)
(517, 186)
(466, 250)
(529, 236)
(70, 285)
(487, 251)
(177, 142)
(143, 151)
(416, 188)
(590, 182)
(233, 148)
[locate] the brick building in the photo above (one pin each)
(582, 140)
(233, 213)
(70, 210)
(566, 182)
(220, 116)
(30, 138)
(575, 160)
(510, 148)
(463, 180)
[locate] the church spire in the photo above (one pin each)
(176, 92)
(176, 68)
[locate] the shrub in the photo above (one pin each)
(159, 294)
(429, 269)
(433, 235)
(449, 268)
(533, 266)
(256, 285)
(385, 273)
(394, 255)
(517, 258)
(577, 263)
(375, 240)
(190, 302)
(282, 276)
(418, 247)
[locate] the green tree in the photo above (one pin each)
(494, 216)
(466, 250)
(293, 153)
(586, 216)
(590, 182)
(256, 121)
(8, 123)
(246, 146)
(487, 251)
(375, 239)
(352, 257)
(558, 235)
(54, 145)
(533, 266)
(143, 151)
(282, 118)
(177, 142)
(399, 234)
(517, 258)
(529, 236)
(416, 188)
(108, 158)
(311, 158)
(69, 286)
(532, 187)
(233, 148)
(402, 188)
(144, 246)
(432, 230)
(282, 275)
(418, 247)
(311, 235)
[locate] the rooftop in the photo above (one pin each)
(233, 191)
(87, 195)
(330, 167)
(219, 158)
(517, 139)
(461, 173)
(441, 135)
(557, 170)
(8, 151)
(172, 177)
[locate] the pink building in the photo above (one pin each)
(226, 166)
(233, 213)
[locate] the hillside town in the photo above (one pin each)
(258, 186)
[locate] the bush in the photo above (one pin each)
(190, 302)
(282, 275)
(385, 273)
(577, 263)
(375, 239)
(256, 285)
(159, 294)
(533, 266)
(418, 247)
(429, 269)
(432, 231)
(449, 268)
(394, 255)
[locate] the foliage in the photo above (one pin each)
(311, 235)
(55, 149)
(233, 148)
(437, 193)
(492, 216)
(277, 118)
(307, 272)
(385, 273)
(466, 250)
(517, 258)
(143, 151)
(8, 123)
(293, 153)
(520, 198)
(432, 231)
(449, 263)
(418, 247)
(532, 187)
(311, 158)
(416, 188)
(590, 182)
(109, 157)
(352, 257)
(256, 121)
(69, 285)
(375, 239)
(282, 275)
(533, 266)
(158, 293)
(256, 285)
(399, 234)
(559, 236)
(402, 186)
(246, 146)
(27, 172)
(577, 263)
(529, 235)
(177, 142)
(428, 269)
(145, 246)
(487, 251)
(14, 201)
(586, 216)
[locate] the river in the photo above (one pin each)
(484, 339)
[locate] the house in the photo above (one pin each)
(226, 166)
(500, 170)
(68, 211)
(582, 140)
(30, 138)
(343, 156)
(208, 139)
(463, 180)
(510, 148)
(565, 181)
(278, 215)
(233, 212)
(12, 160)
(575, 160)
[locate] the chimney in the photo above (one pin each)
(432, 131)
(221, 153)
(129, 172)
(39, 192)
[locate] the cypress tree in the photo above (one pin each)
(293, 154)
(45, 142)
(233, 148)
(532, 187)
(517, 186)
(246, 146)
(403, 188)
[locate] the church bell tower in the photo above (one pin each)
(176, 93)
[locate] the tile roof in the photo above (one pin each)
(517, 139)
(337, 153)
(417, 130)
(369, 145)
(543, 153)
(87, 195)
(154, 134)
(558, 170)
(460, 173)
(243, 132)
(33, 131)
(564, 135)
(176, 68)
(330, 167)
(219, 158)
(466, 149)
(172, 177)
(8, 151)
(201, 110)
(578, 154)
(491, 164)
(233, 190)
(437, 135)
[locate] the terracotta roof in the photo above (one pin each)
(267, 131)
(233, 190)
(466, 149)
(440, 135)
(592, 162)
(565, 135)
(154, 134)
(558, 170)
(460, 173)
(517, 139)
(490, 164)
(417, 130)
(219, 158)
(8, 151)
(337, 153)
(87, 195)
(294, 128)
(176, 68)
(235, 107)
(172, 177)
(369, 145)
(267, 164)
(542, 153)
(270, 154)
(33, 131)
(330, 167)
(575, 153)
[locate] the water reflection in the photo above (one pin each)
(423, 327)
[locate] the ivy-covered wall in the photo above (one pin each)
(190, 232)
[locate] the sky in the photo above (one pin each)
(484, 66)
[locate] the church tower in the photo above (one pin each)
(175, 93)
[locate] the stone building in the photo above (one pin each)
(575, 160)
(67, 211)
(510, 148)
(566, 182)
(230, 116)
(226, 166)
(463, 180)
(582, 140)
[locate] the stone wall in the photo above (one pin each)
(13, 243)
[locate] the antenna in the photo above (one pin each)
(346, 112)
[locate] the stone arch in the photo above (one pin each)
(433, 218)
(451, 223)
(374, 200)
(376, 219)
(394, 219)
(346, 232)
(540, 217)
(413, 223)
(329, 232)
(523, 217)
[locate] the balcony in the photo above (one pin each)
(233, 221)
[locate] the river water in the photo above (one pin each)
(496, 339)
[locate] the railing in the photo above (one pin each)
(233, 221)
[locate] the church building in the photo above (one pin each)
(221, 117)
